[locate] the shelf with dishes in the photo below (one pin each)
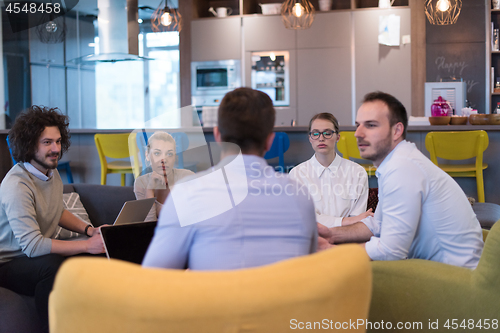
(494, 49)
(272, 7)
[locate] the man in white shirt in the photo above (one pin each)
(422, 212)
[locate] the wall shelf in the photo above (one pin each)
(246, 7)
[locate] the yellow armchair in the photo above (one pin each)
(97, 295)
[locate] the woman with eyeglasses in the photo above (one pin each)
(338, 187)
(160, 155)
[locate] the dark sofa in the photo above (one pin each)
(103, 203)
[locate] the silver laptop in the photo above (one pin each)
(134, 211)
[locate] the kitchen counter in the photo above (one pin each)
(86, 167)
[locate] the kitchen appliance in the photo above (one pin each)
(455, 93)
(211, 80)
(271, 74)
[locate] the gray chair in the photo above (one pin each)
(487, 213)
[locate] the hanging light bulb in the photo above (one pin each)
(297, 10)
(443, 5)
(297, 14)
(272, 56)
(166, 19)
(443, 12)
(51, 27)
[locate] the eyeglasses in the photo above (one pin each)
(326, 134)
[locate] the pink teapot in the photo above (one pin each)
(440, 108)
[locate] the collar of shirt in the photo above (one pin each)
(37, 173)
(252, 163)
(319, 169)
(400, 146)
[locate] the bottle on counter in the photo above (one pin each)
(497, 109)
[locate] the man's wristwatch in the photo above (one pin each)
(86, 229)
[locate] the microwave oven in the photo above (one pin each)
(211, 80)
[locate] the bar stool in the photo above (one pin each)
(348, 147)
(460, 146)
(280, 145)
(113, 146)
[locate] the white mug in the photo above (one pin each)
(223, 11)
(326, 5)
(385, 3)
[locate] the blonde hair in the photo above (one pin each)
(159, 135)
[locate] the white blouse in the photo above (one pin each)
(338, 191)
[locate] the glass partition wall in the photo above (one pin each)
(95, 95)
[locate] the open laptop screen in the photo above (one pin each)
(128, 242)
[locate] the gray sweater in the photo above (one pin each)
(30, 210)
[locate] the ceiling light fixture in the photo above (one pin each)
(52, 30)
(166, 18)
(443, 12)
(297, 14)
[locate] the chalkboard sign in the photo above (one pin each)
(458, 50)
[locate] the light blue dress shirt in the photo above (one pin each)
(252, 217)
(422, 213)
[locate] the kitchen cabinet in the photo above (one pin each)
(327, 72)
(48, 87)
(324, 78)
(267, 33)
(381, 67)
(324, 84)
(86, 32)
(218, 39)
(329, 29)
(80, 87)
(42, 53)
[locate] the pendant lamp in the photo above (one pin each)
(297, 14)
(443, 12)
(51, 30)
(166, 18)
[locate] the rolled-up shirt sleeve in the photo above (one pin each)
(401, 204)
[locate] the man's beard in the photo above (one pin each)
(381, 149)
(45, 165)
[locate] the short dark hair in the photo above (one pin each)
(325, 116)
(397, 111)
(246, 117)
(30, 124)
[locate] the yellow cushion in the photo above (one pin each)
(97, 295)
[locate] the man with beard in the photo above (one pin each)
(422, 212)
(31, 209)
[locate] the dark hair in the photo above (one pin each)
(246, 117)
(326, 116)
(30, 124)
(397, 111)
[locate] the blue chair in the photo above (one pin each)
(280, 145)
(61, 166)
(181, 145)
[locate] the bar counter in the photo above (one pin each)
(86, 167)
